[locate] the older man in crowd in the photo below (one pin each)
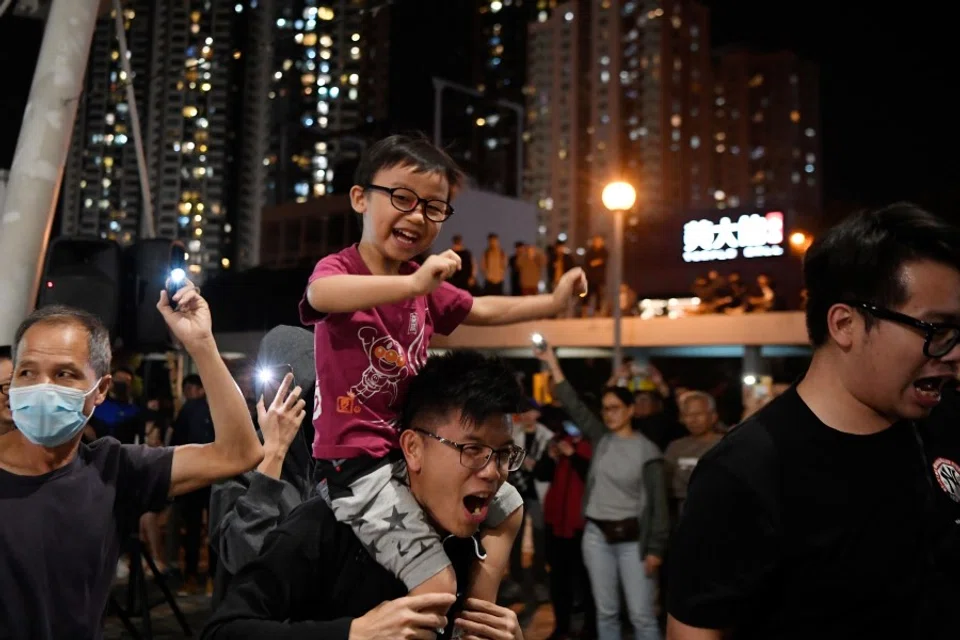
(66, 507)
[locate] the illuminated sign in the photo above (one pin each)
(751, 236)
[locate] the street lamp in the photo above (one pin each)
(618, 197)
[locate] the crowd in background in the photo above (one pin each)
(731, 295)
(528, 270)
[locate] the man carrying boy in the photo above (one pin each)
(375, 312)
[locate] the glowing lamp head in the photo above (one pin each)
(537, 340)
(749, 379)
(177, 276)
(798, 238)
(264, 376)
(619, 196)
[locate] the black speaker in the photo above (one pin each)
(147, 265)
(84, 273)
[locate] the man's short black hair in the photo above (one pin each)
(6, 353)
(125, 370)
(861, 259)
(457, 238)
(416, 152)
(477, 386)
(98, 341)
(192, 379)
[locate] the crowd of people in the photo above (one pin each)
(731, 295)
(379, 492)
(528, 269)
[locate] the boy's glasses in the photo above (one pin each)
(407, 200)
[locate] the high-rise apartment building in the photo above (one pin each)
(189, 78)
(317, 113)
(485, 130)
(766, 138)
(189, 130)
(619, 89)
(627, 89)
(650, 109)
(557, 174)
(101, 193)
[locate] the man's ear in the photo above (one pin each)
(102, 390)
(412, 446)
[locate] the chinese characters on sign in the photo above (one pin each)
(751, 236)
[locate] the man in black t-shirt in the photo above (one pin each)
(812, 518)
(941, 438)
(66, 508)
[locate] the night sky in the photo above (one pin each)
(890, 122)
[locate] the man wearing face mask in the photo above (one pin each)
(66, 507)
(6, 370)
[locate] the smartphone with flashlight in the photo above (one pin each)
(539, 342)
(175, 281)
(270, 378)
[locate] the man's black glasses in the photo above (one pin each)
(476, 456)
(939, 337)
(407, 200)
(5, 388)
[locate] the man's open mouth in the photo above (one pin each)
(931, 386)
(476, 503)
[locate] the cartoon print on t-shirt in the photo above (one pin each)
(388, 364)
(947, 473)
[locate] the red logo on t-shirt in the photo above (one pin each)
(348, 404)
(947, 473)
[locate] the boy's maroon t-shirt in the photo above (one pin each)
(366, 359)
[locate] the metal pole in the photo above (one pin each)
(147, 229)
(437, 112)
(41, 154)
(617, 281)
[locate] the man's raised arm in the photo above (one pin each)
(236, 448)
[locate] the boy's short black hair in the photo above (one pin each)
(416, 152)
(6, 352)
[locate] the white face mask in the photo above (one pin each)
(49, 414)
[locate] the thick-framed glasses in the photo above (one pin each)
(407, 200)
(5, 389)
(477, 456)
(939, 337)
